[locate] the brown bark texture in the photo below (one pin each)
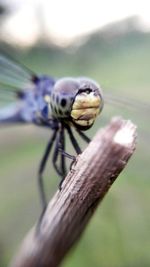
(86, 184)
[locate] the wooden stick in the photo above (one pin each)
(84, 187)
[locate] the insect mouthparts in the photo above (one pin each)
(85, 90)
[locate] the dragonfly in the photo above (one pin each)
(56, 104)
(28, 98)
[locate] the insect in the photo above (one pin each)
(57, 104)
(129, 204)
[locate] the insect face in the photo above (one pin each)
(77, 99)
(88, 103)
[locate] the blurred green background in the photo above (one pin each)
(118, 235)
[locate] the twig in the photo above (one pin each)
(84, 187)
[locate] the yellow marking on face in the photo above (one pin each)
(85, 100)
(86, 108)
(86, 113)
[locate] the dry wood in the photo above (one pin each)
(83, 189)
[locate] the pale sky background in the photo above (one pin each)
(63, 20)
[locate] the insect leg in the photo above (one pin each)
(84, 137)
(73, 140)
(63, 156)
(55, 156)
(67, 155)
(62, 146)
(41, 169)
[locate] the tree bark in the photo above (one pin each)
(83, 189)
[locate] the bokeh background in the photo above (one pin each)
(108, 41)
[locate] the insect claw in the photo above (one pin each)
(38, 226)
(66, 154)
(71, 164)
(60, 184)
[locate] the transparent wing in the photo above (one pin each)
(11, 114)
(14, 80)
(12, 109)
(129, 103)
(7, 95)
(128, 108)
(14, 75)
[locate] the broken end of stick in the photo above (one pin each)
(127, 135)
(83, 189)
